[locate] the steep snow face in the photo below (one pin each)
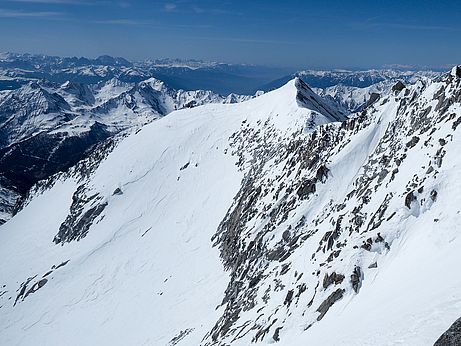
(127, 244)
(259, 222)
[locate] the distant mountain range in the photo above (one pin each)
(18, 69)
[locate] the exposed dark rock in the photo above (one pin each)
(276, 335)
(22, 290)
(383, 174)
(225, 322)
(456, 123)
(379, 238)
(330, 238)
(182, 334)
(117, 191)
(231, 226)
(373, 265)
(409, 199)
(286, 235)
(399, 86)
(434, 195)
(285, 269)
(413, 142)
(47, 273)
(438, 158)
(62, 264)
(322, 174)
(307, 187)
(373, 98)
(185, 166)
(452, 337)
(254, 281)
(301, 289)
(332, 278)
(288, 298)
(79, 220)
(328, 303)
(36, 287)
(356, 279)
(366, 246)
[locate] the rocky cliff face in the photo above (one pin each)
(317, 214)
(276, 220)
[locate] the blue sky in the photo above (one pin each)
(301, 34)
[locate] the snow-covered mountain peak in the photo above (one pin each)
(33, 99)
(113, 82)
(292, 107)
(154, 83)
(456, 71)
(77, 94)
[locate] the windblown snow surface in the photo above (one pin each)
(46, 127)
(274, 220)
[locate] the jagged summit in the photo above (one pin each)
(293, 103)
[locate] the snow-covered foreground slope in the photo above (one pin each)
(260, 222)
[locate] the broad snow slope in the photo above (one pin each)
(46, 127)
(118, 251)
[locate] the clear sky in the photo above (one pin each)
(321, 33)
